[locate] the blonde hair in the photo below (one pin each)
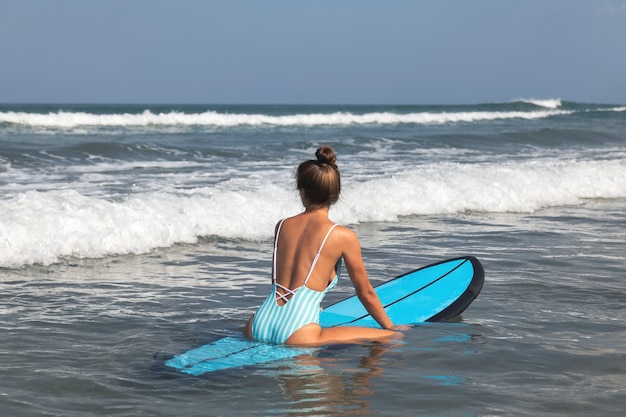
(319, 178)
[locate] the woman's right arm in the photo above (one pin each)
(353, 259)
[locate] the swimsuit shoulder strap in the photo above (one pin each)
(318, 254)
(280, 224)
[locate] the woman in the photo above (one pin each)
(308, 250)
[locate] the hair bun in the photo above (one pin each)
(326, 155)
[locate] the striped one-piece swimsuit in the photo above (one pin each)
(274, 323)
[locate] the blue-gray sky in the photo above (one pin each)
(312, 52)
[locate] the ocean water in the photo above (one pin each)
(131, 233)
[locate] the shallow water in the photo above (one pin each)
(129, 234)
(544, 337)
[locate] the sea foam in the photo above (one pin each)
(43, 227)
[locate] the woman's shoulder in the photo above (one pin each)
(345, 233)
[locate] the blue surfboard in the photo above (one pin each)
(436, 292)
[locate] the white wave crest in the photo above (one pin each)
(65, 120)
(550, 103)
(43, 227)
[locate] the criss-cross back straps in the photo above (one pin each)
(289, 292)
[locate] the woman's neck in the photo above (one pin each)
(314, 209)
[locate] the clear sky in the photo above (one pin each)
(311, 51)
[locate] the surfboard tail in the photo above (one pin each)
(457, 307)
